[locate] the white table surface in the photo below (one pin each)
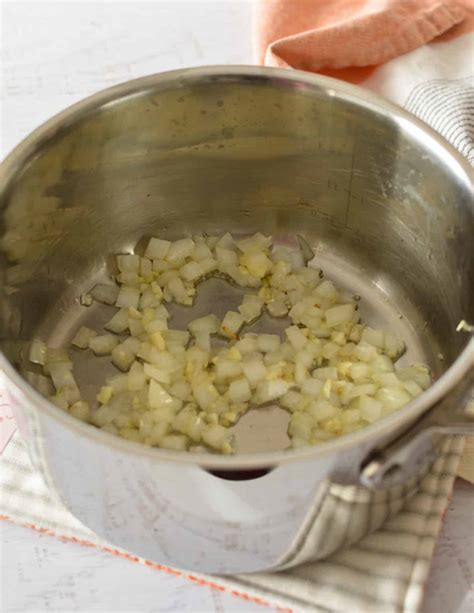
(53, 54)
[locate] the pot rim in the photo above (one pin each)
(25, 151)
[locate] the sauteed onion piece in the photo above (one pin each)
(179, 390)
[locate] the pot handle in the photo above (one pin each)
(399, 460)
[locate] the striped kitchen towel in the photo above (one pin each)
(383, 572)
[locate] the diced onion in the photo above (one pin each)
(161, 376)
(208, 324)
(392, 398)
(257, 263)
(128, 263)
(268, 342)
(191, 271)
(80, 410)
(180, 391)
(271, 390)
(136, 377)
(296, 337)
(103, 345)
(128, 297)
(277, 308)
(231, 324)
(339, 314)
(251, 307)
(105, 293)
(373, 337)
(370, 408)
(216, 437)
(38, 351)
(158, 396)
(157, 249)
(83, 337)
(180, 249)
(118, 323)
(226, 369)
(254, 371)
(239, 391)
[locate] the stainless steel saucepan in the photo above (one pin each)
(387, 206)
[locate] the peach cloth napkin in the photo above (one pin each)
(321, 35)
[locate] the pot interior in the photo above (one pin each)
(385, 208)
